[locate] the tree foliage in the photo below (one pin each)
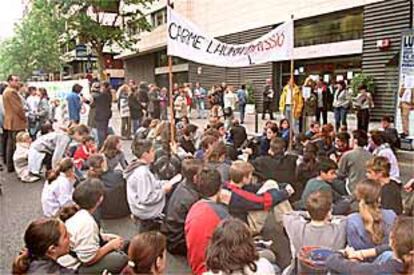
(85, 19)
(34, 45)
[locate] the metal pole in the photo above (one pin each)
(171, 97)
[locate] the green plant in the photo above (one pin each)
(363, 79)
(250, 93)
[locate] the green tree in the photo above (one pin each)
(34, 45)
(85, 19)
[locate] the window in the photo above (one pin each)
(334, 27)
(159, 17)
(161, 59)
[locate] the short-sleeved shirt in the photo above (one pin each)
(84, 239)
(56, 194)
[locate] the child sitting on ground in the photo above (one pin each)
(316, 227)
(20, 158)
(112, 150)
(84, 150)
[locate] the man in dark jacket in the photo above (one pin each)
(143, 95)
(268, 95)
(276, 166)
(103, 104)
(135, 110)
(180, 202)
(238, 134)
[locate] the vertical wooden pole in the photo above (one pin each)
(291, 86)
(170, 92)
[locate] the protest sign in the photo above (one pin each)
(186, 40)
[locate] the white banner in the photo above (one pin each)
(406, 76)
(187, 41)
(60, 89)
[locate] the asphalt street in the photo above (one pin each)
(20, 203)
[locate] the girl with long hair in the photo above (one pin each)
(402, 262)
(114, 204)
(112, 150)
(147, 254)
(58, 189)
(232, 251)
(45, 241)
(371, 226)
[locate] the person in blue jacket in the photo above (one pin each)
(75, 103)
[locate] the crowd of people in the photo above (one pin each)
(314, 199)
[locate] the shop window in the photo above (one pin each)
(334, 27)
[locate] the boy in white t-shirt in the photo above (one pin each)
(92, 252)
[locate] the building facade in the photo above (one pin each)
(333, 39)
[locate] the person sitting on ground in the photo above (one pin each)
(378, 169)
(84, 150)
(352, 164)
(203, 218)
(180, 202)
(92, 251)
(325, 141)
(232, 251)
(382, 148)
(216, 159)
(306, 170)
(317, 226)
(114, 204)
(145, 193)
(271, 132)
(327, 175)
(21, 156)
(112, 150)
(314, 130)
(144, 129)
(390, 133)
(276, 165)
(45, 241)
(243, 197)
(300, 141)
(402, 245)
(50, 148)
(147, 254)
(186, 140)
(58, 189)
(284, 130)
(369, 229)
(238, 134)
(341, 145)
(206, 146)
(153, 129)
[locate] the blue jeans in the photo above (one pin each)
(242, 109)
(201, 108)
(340, 117)
(135, 125)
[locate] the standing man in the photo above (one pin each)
(291, 101)
(242, 100)
(268, 95)
(200, 96)
(75, 103)
(406, 105)
(103, 104)
(14, 118)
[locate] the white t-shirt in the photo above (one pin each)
(289, 97)
(406, 97)
(84, 239)
(56, 195)
(263, 267)
(230, 100)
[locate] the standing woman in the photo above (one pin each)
(322, 95)
(341, 105)
(123, 105)
(363, 103)
(45, 241)
(103, 104)
(154, 103)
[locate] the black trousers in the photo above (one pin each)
(363, 119)
(267, 107)
(322, 112)
(10, 146)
